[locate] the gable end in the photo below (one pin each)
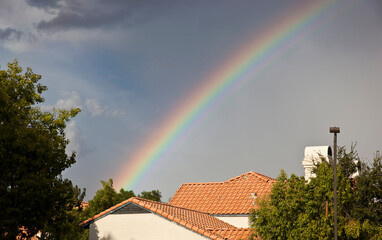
(130, 209)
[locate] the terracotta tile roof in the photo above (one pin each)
(196, 221)
(234, 196)
(233, 234)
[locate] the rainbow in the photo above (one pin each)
(243, 66)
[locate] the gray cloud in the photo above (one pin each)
(74, 14)
(46, 4)
(377, 7)
(10, 34)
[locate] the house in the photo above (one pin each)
(211, 210)
(137, 218)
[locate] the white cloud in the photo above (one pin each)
(46, 108)
(24, 19)
(71, 132)
(20, 16)
(90, 105)
(69, 100)
(93, 106)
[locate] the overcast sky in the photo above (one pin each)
(127, 64)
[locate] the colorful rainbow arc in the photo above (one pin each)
(243, 66)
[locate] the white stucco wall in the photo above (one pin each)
(146, 226)
(240, 222)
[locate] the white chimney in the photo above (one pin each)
(314, 155)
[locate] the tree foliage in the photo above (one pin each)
(33, 194)
(296, 209)
(154, 195)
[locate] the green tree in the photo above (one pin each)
(104, 198)
(296, 209)
(368, 199)
(68, 220)
(154, 195)
(123, 194)
(33, 194)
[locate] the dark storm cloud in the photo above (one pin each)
(377, 6)
(10, 34)
(102, 13)
(43, 3)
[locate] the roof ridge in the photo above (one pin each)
(237, 177)
(259, 175)
(201, 183)
(265, 177)
(170, 205)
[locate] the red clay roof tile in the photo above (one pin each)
(233, 234)
(234, 196)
